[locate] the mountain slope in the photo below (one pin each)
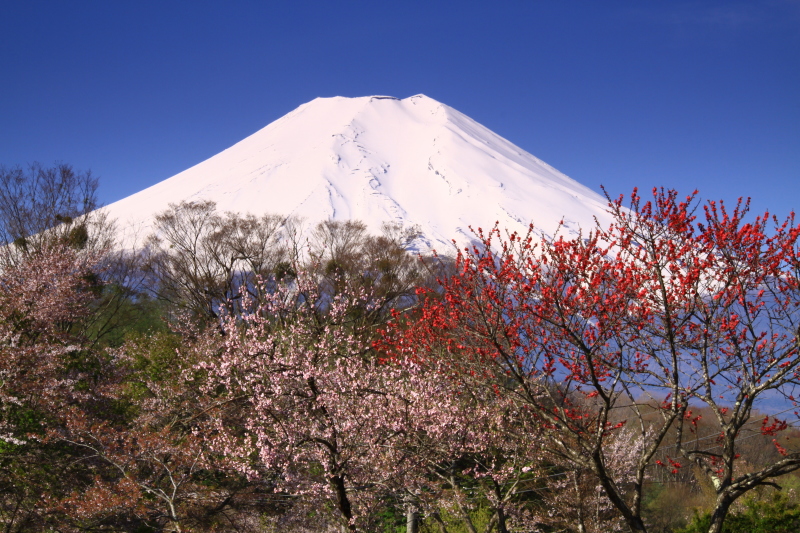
(378, 159)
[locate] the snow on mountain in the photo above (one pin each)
(378, 159)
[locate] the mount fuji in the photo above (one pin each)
(378, 159)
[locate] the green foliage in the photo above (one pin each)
(774, 515)
(78, 237)
(92, 283)
(392, 519)
(480, 517)
(153, 358)
(119, 314)
(666, 506)
(25, 420)
(283, 270)
(333, 267)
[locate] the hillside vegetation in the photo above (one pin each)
(239, 374)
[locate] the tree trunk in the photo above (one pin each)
(636, 525)
(412, 520)
(501, 521)
(342, 501)
(412, 516)
(633, 520)
(720, 512)
(579, 500)
(500, 513)
(439, 522)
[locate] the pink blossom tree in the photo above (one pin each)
(39, 300)
(321, 410)
(43, 296)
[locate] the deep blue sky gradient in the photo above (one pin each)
(620, 93)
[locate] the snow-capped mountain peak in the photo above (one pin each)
(378, 159)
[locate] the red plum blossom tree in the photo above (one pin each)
(581, 331)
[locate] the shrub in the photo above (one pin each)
(775, 515)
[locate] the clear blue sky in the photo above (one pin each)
(620, 93)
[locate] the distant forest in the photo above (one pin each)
(234, 373)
